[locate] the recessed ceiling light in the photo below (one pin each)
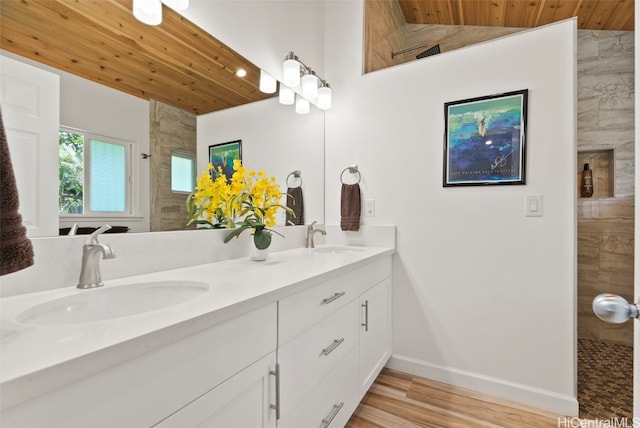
(241, 72)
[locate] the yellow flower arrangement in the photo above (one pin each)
(250, 200)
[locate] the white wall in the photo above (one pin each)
(484, 297)
(274, 139)
(264, 31)
(98, 109)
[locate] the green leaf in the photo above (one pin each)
(262, 239)
(235, 233)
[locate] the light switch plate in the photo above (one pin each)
(533, 206)
(370, 208)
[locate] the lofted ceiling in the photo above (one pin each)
(592, 14)
(179, 64)
(175, 62)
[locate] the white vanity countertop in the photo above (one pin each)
(236, 287)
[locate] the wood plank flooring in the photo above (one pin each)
(400, 400)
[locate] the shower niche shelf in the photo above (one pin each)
(601, 162)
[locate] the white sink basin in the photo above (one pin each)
(335, 250)
(109, 303)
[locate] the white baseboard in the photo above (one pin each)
(550, 401)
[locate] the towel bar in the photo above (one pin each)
(353, 169)
(296, 174)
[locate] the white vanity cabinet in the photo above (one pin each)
(303, 355)
(334, 339)
(231, 359)
(375, 332)
(244, 401)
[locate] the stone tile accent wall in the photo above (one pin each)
(605, 225)
(605, 263)
(171, 129)
(606, 100)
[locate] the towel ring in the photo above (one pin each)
(296, 174)
(353, 169)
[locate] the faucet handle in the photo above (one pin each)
(311, 225)
(93, 238)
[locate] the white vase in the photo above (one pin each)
(259, 255)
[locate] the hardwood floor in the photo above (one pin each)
(399, 400)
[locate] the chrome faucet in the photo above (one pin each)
(310, 234)
(91, 250)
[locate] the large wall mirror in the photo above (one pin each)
(274, 139)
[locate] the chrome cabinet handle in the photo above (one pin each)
(329, 349)
(334, 297)
(276, 406)
(336, 408)
(365, 324)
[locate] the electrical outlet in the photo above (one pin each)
(370, 208)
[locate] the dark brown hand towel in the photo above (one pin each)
(296, 203)
(350, 207)
(16, 252)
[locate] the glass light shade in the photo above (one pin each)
(310, 86)
(286, 95)
(177, 4)
(148, 11)
(268, 84)
(324, 98)
(302, 105)
(291, 72)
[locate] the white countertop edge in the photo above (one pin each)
(262, 283)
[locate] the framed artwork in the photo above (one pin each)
(223, 155)
(484, 140)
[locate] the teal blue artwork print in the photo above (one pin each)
(221, 156)
(485, 140)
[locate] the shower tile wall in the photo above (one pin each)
(171, 129)
(605, 222)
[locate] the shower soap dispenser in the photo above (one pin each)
(586, 190)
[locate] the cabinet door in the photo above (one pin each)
(375, 332)
(242, 401)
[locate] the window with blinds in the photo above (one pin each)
(95, 174)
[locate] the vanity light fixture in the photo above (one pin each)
(302, 105)
(324, 96)
(291, 70)
(309, 85)
(286, 95)
(150, 11)
(268, 84)
(313, 87)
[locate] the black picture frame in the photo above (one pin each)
(222, 156)
(485, 140)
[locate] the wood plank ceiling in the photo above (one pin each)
(592, 14)
(181, 65)
(175, 62)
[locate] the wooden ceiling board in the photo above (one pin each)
(623, 18)
(556, 10)
(600, 16)
(175, 62)
(591, 14)
(521, 13)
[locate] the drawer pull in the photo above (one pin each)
(276, 406)
(334, 297)
(365, 324)
(336, 408)
(329, 349)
